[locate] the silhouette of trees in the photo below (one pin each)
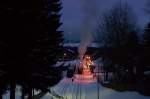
(146, 43)
(120, 38)
(30, 44)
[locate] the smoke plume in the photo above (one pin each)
(89, 10)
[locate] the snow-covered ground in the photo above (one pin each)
(70, 90)
(6, 95)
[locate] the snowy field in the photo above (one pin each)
(18, 93)
(70, 90)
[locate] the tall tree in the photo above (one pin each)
(32, 43)
(146, 44)
(47, 49)
(119, 34)
(147, 7)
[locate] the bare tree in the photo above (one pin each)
(118, 30)
(147, 7)
(116, 23)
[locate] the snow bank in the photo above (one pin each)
(70, 90)
(18, 93)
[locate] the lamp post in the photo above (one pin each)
(98, 80)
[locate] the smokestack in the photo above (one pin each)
(90, 15)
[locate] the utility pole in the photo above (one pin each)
(98, 82)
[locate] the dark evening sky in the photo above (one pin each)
(72, 14)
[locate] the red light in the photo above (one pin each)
(87, 75)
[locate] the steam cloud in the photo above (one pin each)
(89, 9)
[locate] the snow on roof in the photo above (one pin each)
(78, 44)
(65, 63)
(147, 72)
(58, 64)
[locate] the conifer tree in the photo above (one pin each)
(146, 44)
(47, 49)
(32, 43)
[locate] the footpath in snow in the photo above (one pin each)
(71, 90)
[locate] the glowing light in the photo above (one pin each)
(87, 76)
(65, 54)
